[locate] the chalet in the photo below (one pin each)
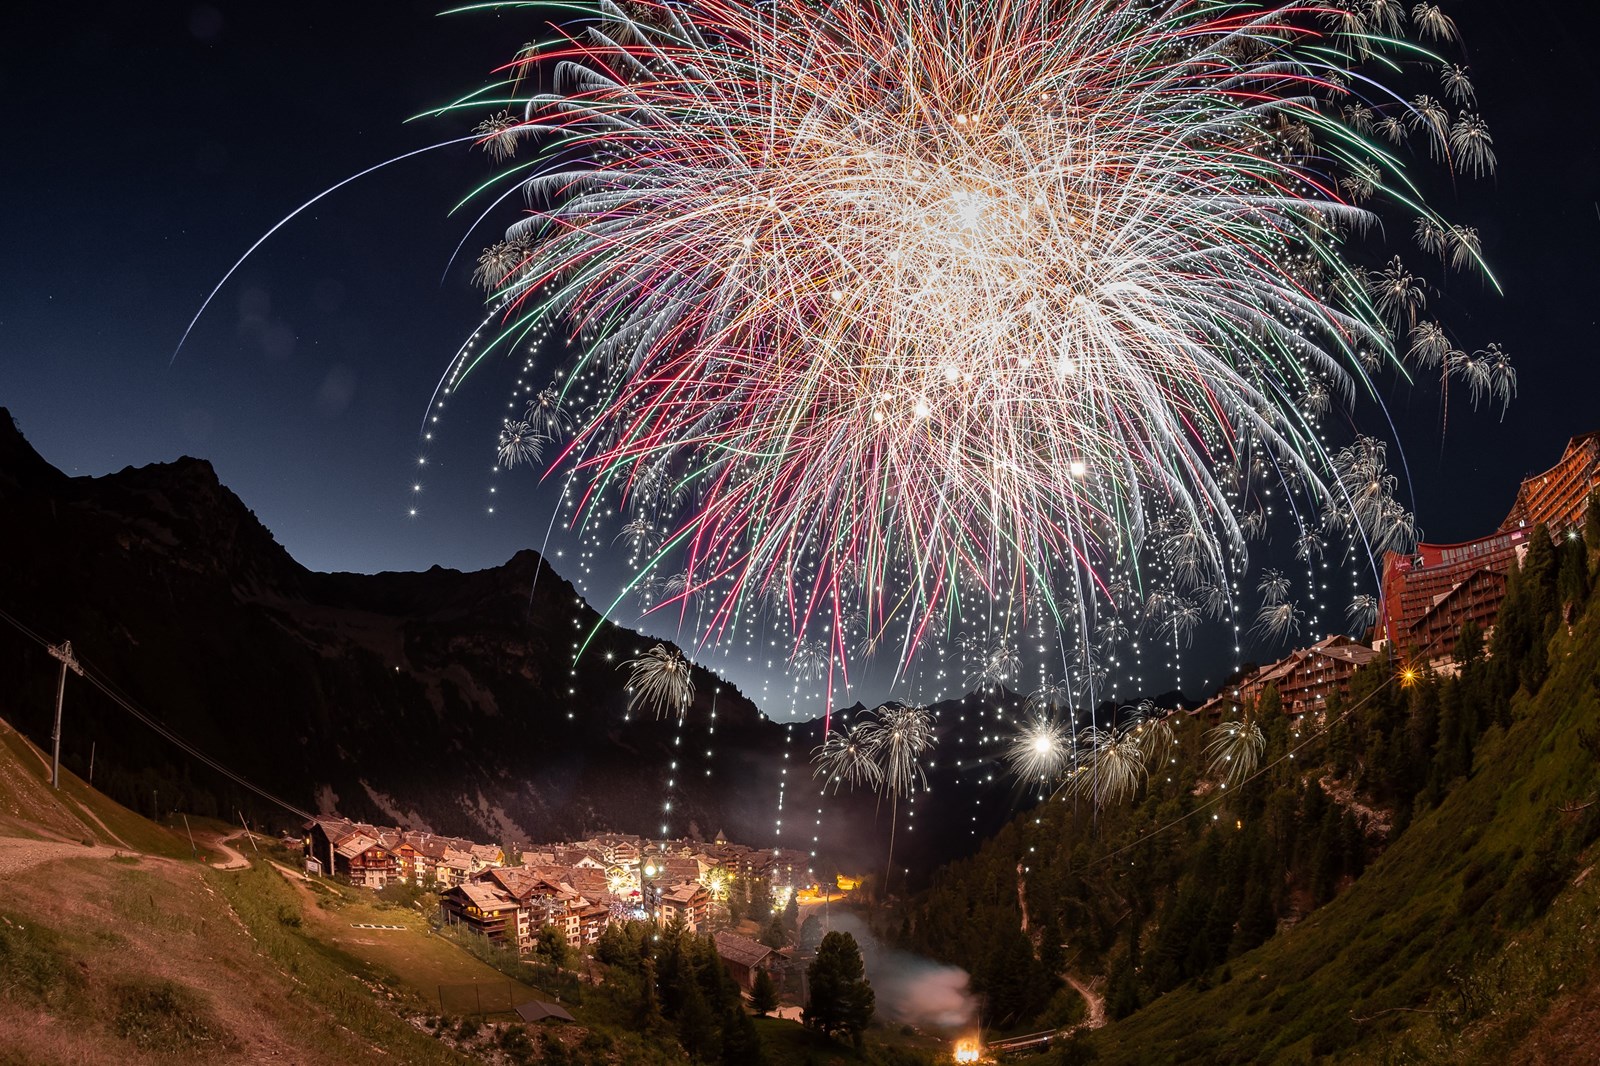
(535, 1011)
(487, 911)
(365, 861)
(579, 857)
(318, 837)
(1306, 677)
(405, 854)
(675, 870)
(593, 885)
(455, 867)
(687, 903)
(743, 958)
(593, 917)
(485, 855)
(430, 851)
(613, 849)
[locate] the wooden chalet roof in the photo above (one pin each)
(589, 882)
(513, 880)
(685, 894)
(485, 897)
(741, 950)
(676, 869)
(1343, 648)
(355, 844)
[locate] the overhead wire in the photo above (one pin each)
(116, 696)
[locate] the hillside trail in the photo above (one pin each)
(234, 859)
(19, 853)
(1094, 1001)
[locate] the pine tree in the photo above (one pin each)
(1257, 919)
(841, 999)
(1122, 985)
(810, 935)
(1469, 645)
(551, 947)
(741, 1044)
(773, 935)
(648, 1015)
(764, 996)
(697, 1026)
(1572, 577)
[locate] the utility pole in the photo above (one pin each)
(62, 651)
(247, 832)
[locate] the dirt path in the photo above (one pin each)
(1022, 898)
(18, 853)
(234, 859)
(1094, 1001)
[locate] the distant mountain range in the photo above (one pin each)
(442, 699)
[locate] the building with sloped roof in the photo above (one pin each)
(687, 903)
(743, 957)
(487, 910)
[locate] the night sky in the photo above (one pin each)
(152, 143)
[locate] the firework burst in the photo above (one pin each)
(661, 680)
(1040, 750)
(1233, 750)
(846, 759)
(902, 309)
(1111, 767)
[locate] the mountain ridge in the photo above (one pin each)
(451, 695)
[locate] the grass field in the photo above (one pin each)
(29, 808)
(412, 960)
(142, 960)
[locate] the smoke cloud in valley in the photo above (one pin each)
(912, 990)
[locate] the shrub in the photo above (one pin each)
(34, 966)
(164, 1017)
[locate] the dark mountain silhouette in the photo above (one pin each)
(441, 699)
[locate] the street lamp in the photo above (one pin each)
(649, 891)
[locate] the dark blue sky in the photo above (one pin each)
(150, 144)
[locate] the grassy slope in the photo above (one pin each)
(29, 808)
(145, 957)
(411, 961)
(142, 959)
(1433, 955)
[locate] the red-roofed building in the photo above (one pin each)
(1429, 593)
